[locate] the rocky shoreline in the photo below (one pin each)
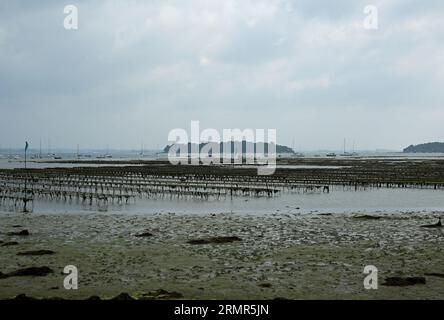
(221, 256)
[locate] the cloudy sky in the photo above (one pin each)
(134, 70)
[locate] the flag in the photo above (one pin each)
(26, 146)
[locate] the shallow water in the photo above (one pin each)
(337, 201)
(19, 164)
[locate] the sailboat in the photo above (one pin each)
(108, 155)
(345, 153)
(350, 154)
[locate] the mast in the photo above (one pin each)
(25, 198)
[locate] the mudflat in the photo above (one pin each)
(222, 256)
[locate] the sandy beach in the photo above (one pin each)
(267, 257)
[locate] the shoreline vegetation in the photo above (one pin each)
(431, 147)
(221, 256)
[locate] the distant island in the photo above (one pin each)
(279, 148)
(431, 147)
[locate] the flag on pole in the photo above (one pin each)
(26, 146)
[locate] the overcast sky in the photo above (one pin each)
(134, 70)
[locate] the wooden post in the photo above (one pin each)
(25, 199)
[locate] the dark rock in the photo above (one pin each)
(35, 253)
(199, 241)
(434, 274)
(264, 285)
(325, 214)
(224, 239)
(162, 294)
(20, 233)
(31, 271)
(144, 234)
(403, 282)
(367, 217)
(11, 243)
(17, 226)
(217, 240)
(123, 296)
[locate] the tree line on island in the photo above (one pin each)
(250, 145)
(431, 147)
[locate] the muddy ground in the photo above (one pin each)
(276, 256)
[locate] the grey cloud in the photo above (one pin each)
(136, 69)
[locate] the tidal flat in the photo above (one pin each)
(163, 256)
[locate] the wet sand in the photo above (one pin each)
(279, 256)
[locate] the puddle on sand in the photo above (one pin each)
(337, 201)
